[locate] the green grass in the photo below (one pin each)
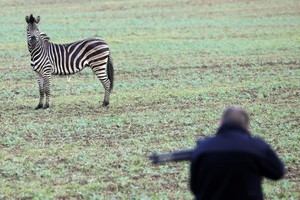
(178, 65)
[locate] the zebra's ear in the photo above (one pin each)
(27, 19)
(37, 20)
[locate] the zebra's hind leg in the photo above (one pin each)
(100, 73)
(41, 91)
(106, 85)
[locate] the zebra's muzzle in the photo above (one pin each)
(32, 38)
(33, 41)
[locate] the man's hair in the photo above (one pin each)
(235, 115)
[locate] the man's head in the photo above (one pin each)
(237, 116)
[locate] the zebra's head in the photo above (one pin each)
(33, 33)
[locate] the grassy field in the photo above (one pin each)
(178, 65)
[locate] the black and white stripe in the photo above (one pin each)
(64, 59)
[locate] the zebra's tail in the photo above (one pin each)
(110, 72)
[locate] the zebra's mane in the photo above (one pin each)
(44, 36)
(31, 19)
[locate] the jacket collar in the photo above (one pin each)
(229, 127)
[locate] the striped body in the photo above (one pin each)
(90, 52)
(65, 59)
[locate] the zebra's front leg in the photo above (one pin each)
(41, 90)
(47, 84)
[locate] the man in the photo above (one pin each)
(231, 164)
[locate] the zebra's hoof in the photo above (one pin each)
(46, 106)
(105, 103)
(39, 106)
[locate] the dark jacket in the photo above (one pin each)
(231, 165)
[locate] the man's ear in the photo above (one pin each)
(27, 19)
(37, 20)
(248, 127)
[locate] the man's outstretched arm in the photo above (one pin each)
(272, 166)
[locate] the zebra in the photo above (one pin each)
(48, 59)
